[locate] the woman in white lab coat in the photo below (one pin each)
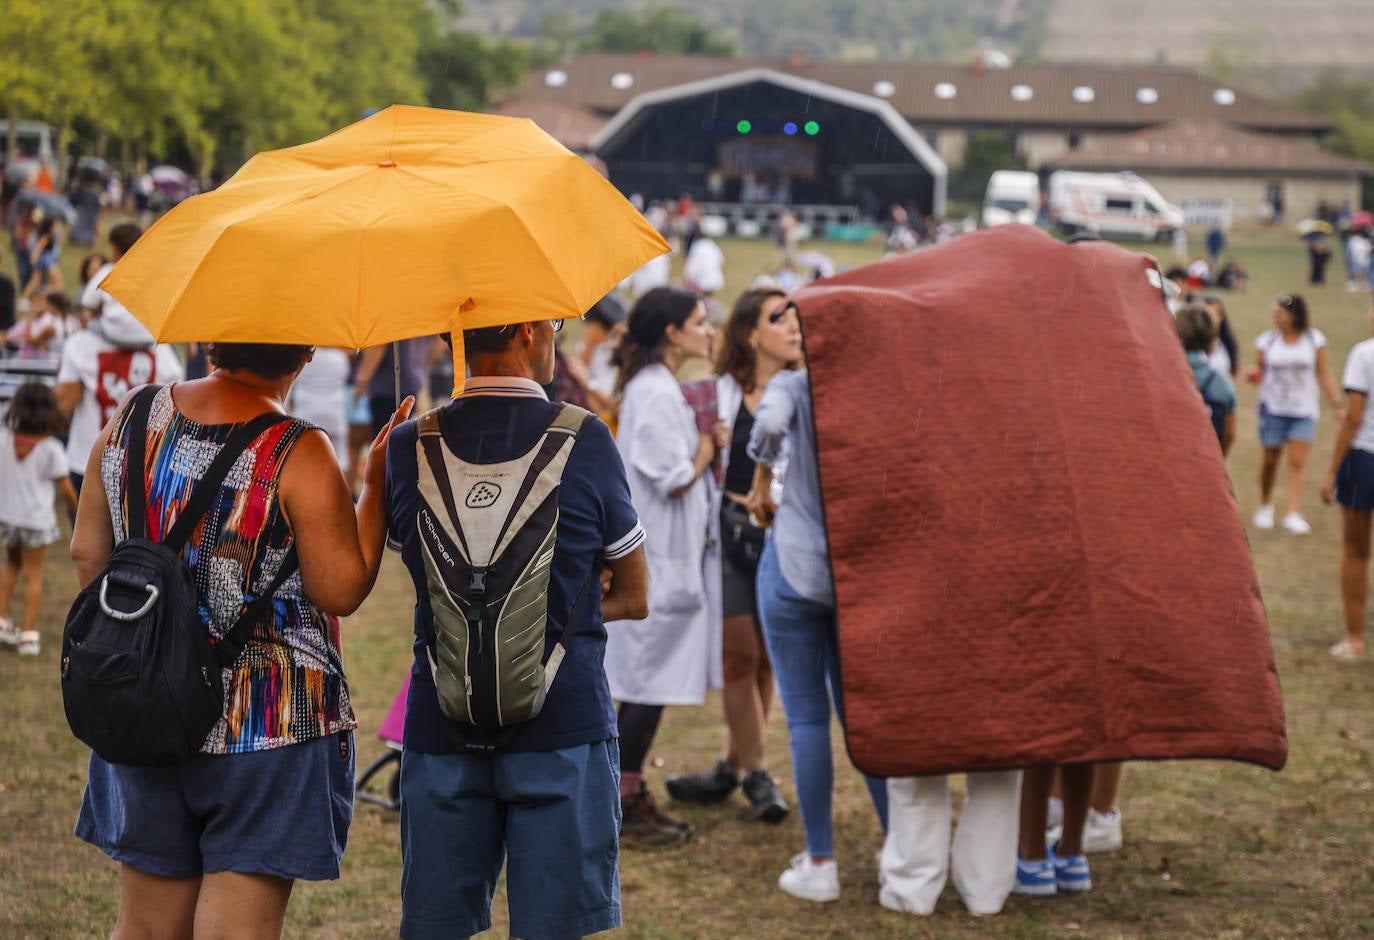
(673, 656)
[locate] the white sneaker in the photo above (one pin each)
(1264, 517)
(810, 881)
(8, 635)
(1102, 831)
(1054, 820)
(1295, 523)
(29, 643)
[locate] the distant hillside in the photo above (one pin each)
(1269, 45)
(853, 29)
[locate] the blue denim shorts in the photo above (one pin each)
(553, 817)
(1276, 430)
(283, 812)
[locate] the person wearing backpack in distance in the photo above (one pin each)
(211, 846)
(504, 507)
(1198, 331)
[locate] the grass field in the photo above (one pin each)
(1212, 849)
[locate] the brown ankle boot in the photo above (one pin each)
(642, 826)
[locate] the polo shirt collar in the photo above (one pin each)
(502, 386)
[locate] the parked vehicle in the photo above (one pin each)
(33, 147)
(1115, 205)
(1012, 196)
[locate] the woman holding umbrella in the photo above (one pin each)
(269, 798)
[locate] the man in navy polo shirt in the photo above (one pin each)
(549, 799)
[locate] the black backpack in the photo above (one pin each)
(141, 677)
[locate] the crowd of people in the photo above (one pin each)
(697, 512)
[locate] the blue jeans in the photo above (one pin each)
(804, 649)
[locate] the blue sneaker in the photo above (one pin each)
(1035, 878)
(1070, 874)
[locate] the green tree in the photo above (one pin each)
(45, 67)
(463, 71)
(987, 152)
(655, 29)
(1349, 105)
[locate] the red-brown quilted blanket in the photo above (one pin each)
(1038, 556)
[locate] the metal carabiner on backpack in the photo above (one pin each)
(123, 615)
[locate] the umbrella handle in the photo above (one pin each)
(460, 363)
(396, 370)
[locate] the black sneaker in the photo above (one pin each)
(764, 796)
(643, 827)
(709, 786)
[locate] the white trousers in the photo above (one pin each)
(917, 855)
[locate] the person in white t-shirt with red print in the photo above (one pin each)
(1350, 482)
(1291, 365)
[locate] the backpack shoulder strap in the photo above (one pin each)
(429, 446)
(204, 491)
(1207, 384)
(136, 455)
(228, 647)
(582, 416)
(570, 419)
(428, 423)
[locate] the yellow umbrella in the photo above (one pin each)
(411, 222)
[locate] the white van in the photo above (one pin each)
(1114, 205)
(33, 145)
(1012, 196)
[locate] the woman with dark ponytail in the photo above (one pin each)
(674, 656)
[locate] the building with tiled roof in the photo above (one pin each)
(1195, 162)
(920, 115)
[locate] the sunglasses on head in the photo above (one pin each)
(1285, 301)
(776, 316)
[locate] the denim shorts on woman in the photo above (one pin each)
(1355, 481)
(283, 812)
(1277, 430)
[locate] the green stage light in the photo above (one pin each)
(744, 127)
(812, 128)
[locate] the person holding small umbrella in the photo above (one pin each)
(410, 223)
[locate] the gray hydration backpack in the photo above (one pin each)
(487, 536)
